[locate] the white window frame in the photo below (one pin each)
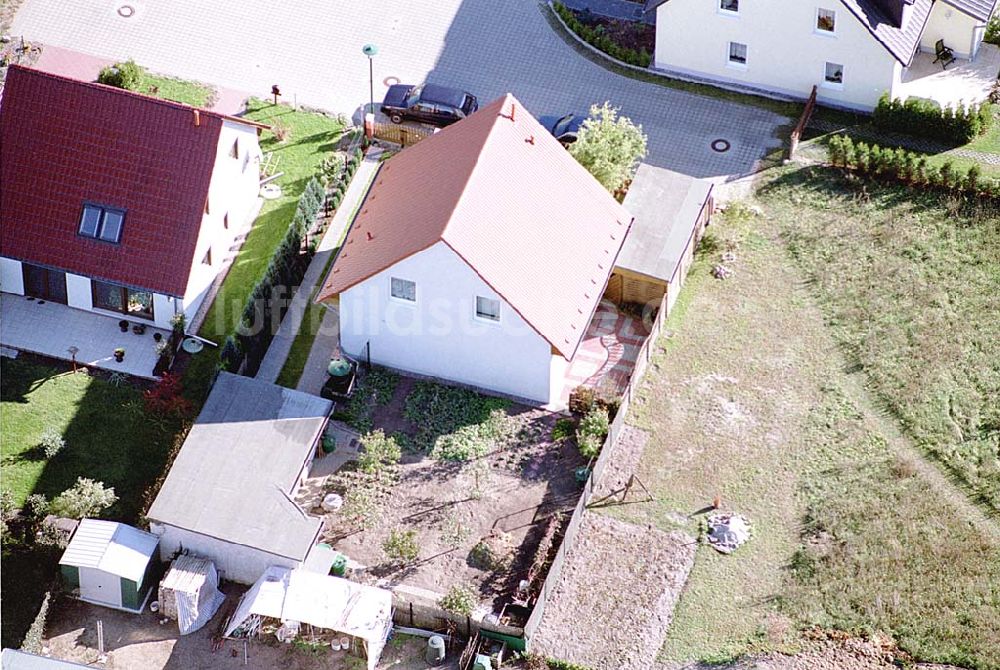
(729, 56)
(402, 299)
(728, 12)
(836, 85)
(822, 31)
(486, 319)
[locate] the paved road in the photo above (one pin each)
(312, 49)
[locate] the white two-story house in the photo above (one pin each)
(115, 202)
(852, 50)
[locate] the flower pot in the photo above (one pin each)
(139, 328)
(123, 324)
(119, 355)
(157, 337)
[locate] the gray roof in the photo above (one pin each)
(234, 476)
(666, 206)
(978, 9)
(11, 659)
(900, 42)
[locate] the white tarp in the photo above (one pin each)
(196, 608)
(322, 601)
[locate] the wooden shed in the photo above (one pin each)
(671, 211)
(111, 564)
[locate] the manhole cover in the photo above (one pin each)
(721, 146)
(126, 11)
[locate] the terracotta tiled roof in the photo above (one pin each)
(64, 142)
(502, 193)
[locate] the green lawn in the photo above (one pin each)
(751, 399)
(109, 438)
(191, 93)
(311, 139)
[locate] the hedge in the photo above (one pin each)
(926, 118)
(596, 38)
(268, 301)
(906, 167)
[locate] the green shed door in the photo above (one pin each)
(130, 594)
(71, 576)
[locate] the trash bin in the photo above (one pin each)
(435, 650)
(339, 566)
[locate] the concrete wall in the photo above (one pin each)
(233, 561)
(440, 335)
(957, 29)
(232, 196)
(786, 54)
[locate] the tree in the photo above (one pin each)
(609, 146)
(86, 498)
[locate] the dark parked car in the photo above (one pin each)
(438, 105)
(564, 128)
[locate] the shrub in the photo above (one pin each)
(230, 356)
(493, 552)
(475, 440)
(459, 600)
(993, 31)
(36, 506)
(595, 422)
(166, 399)
(594, 36)
(563, 430)
(51, 442)
(361, 506)
(401, 546)
(8, 509)
(582, 399)
(36, 632)
(380, 451)
(926, 118)
(127, 75)
(85, 498)
(589, 445)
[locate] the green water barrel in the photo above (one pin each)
(339, 566)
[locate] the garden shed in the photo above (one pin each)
(285, 602)
(671, 211)
(110, 564)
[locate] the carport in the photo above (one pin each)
(671, 211)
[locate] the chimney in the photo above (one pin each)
(368, 233)
(512, 107)
(530, 139)
(197, 117)
(894, 10)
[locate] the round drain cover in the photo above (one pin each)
(720, 146)
(126, 11)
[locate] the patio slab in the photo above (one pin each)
(964, 81)
(50, 329)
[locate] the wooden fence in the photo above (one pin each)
(646, 353)
(401, 135)
(800, 127)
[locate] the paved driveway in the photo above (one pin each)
(312, 49)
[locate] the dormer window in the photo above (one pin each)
(729, 6)
(102, 223)
(826, 21)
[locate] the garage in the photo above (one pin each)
(110, 564)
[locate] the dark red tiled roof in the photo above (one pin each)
(64, 142)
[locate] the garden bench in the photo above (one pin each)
(943, 54)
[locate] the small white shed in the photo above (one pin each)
(111, 564)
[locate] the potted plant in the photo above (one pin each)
(157, 337)
(120, 354)
(163, 349)
(123, 324)
(139, 328)
(178, 322)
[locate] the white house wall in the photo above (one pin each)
(232, 194)
(11, 277)
(957, 29)
(235, 562)
(440, 335)
(785, 53)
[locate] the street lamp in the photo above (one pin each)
(370, 50)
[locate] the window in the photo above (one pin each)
(731, 6)
(44, 283)
(826, 20)
(116, 298)
(487, 308)
(403, 289)
(737, 53)
(102, 223)
(207, 260)
(234, 151)
(834, 74)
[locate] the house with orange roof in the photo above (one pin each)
(480, 256)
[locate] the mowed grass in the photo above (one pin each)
(191, 93)
(751, 400)
(311, 139)
(109, 438)
(911, 289)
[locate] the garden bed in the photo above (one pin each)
(471, 466)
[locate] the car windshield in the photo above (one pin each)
(414, 96)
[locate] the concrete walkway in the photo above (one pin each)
(281, 345)
(623, 10)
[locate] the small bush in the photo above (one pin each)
(32, 643)
(563, 430)
(595, 37)
(582, 399)
(380, 452)
(993, 31)
(401, 546)
(8, 509)
(493, 552)
(51, 442)
(36, 507)
(85, 498)
(459, 600)
(127, 75)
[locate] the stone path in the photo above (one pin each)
(281, 345)
(923, 145)
(623, 10)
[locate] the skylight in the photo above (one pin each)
(102, 223)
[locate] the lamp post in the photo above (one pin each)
(370, 50)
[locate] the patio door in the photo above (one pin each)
(44, 283)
